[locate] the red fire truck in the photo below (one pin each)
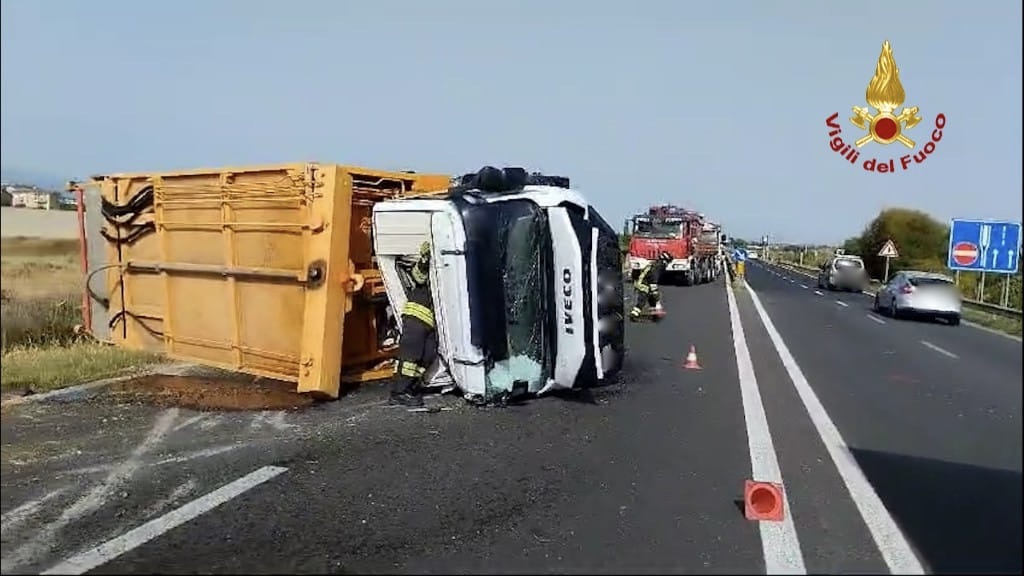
(694, 243)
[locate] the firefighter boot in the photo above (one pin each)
(406, 399)
(403, 392)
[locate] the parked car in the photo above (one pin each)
(920, 293)
(844, 272)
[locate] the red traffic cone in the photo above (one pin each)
(763, 501)
(691, 359)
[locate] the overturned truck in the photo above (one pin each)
(526, 278)
(271, 271)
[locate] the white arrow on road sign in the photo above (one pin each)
(889, 250)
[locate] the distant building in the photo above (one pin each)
(32, 197)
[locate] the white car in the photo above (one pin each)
(922, 294)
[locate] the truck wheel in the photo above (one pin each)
(633, 275)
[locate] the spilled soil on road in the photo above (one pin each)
(206, 393)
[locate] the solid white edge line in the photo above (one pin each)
(779, 541)
(891, 543)
(940, 350)
(111, 549)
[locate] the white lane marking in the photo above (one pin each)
(841, 303)
(93, 500)
(15, 517)
(779, 541)
(939, 350)
(791, 281)
(891, 542)
(190, 421)
(819, 292)
(1013, 337)
(272, 419)
(204, 453)
(876, 318)
(804, 286)
(100, 555)
(180, 492)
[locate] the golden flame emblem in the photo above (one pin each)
(885, 94)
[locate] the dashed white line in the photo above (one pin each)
(942, 351)
(891, 542)
(841, 303)
(804, 286)
(791, 281)
(779, 541)
(100, 555)
(819, 292)
(876, 319)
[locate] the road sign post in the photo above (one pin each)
(888, 252)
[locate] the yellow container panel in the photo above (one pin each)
(264, 270)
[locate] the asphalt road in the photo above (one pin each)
(895, 456)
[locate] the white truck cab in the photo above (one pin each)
(526, 278)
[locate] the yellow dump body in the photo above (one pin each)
(265, 270)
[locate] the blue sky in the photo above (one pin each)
(720, 106)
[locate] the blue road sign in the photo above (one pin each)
(739, 255)
(984, 246)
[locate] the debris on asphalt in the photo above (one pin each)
(205, 393)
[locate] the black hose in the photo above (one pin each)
(136, 206)
(134, 234)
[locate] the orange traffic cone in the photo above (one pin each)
(691, 359)
(763, 501)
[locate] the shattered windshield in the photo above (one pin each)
(656, 227)
(524, 309)
(506, 251)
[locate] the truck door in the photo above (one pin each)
(451, 308)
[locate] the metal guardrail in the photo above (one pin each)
(970, 303)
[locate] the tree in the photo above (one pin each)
(920, 239)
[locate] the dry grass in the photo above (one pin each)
(50, 367)
(40, 306)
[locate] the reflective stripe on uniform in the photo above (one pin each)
(411, 369)
(635, 311)
(419, 312)
(641, 280)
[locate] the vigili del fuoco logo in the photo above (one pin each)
(885, 126)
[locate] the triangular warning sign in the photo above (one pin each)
(889, 250)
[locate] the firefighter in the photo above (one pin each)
(646, 285)
(417, 346)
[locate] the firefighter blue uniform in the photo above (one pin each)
(417, 347)
(646, 285)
